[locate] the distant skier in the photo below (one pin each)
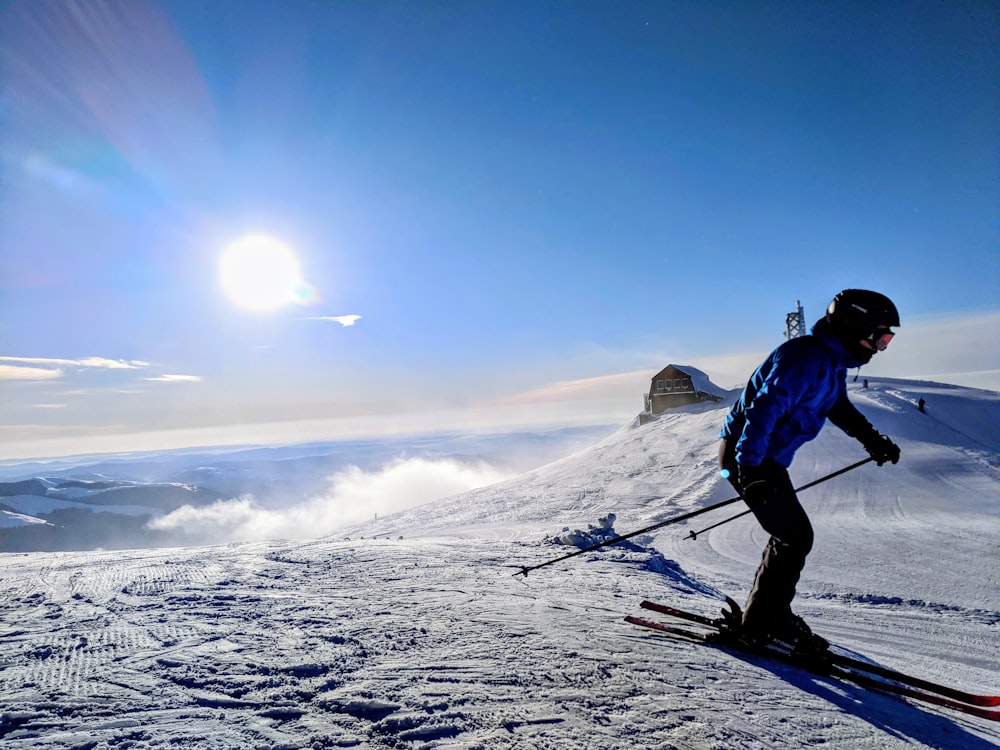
(787, 400)
(921, 404)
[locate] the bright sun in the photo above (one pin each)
(262, 273)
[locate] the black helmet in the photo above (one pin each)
(861, 311)
(861, 320)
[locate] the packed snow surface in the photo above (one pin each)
(415, 630)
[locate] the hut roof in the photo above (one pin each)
(699, 380)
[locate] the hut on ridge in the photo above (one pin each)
(677, 385)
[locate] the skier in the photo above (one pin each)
(785, 403)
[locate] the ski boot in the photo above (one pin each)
(732, 633)
(794, 635)
(790, 634)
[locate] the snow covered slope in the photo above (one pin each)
(412, 631)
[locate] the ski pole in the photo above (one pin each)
(677, 519)
(525, 569)
(696, 534)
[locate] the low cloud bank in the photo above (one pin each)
(354, 496)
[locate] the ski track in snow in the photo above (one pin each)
(383, 643)
(425, 637)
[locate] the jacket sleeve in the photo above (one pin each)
(846, 416)
(778, 390)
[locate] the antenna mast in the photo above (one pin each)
(795, 322)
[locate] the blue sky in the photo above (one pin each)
(525, 203)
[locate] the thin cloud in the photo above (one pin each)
(53, 368)
(344, 320)
(175, 379)
(601, 387)
(111, 364)
(13, 372)
(102, 362)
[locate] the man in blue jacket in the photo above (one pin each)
(786, 402)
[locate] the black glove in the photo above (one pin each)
(757, 484)
(881, 448)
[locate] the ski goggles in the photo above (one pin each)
(879, 340)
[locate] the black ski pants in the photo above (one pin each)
(783, 517)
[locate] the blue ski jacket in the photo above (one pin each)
(789, 398)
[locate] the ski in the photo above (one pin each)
(693, 635)
(985, 701)
(831, 664)
(842, 660)
(682, 614)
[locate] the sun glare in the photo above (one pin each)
(262, 273)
